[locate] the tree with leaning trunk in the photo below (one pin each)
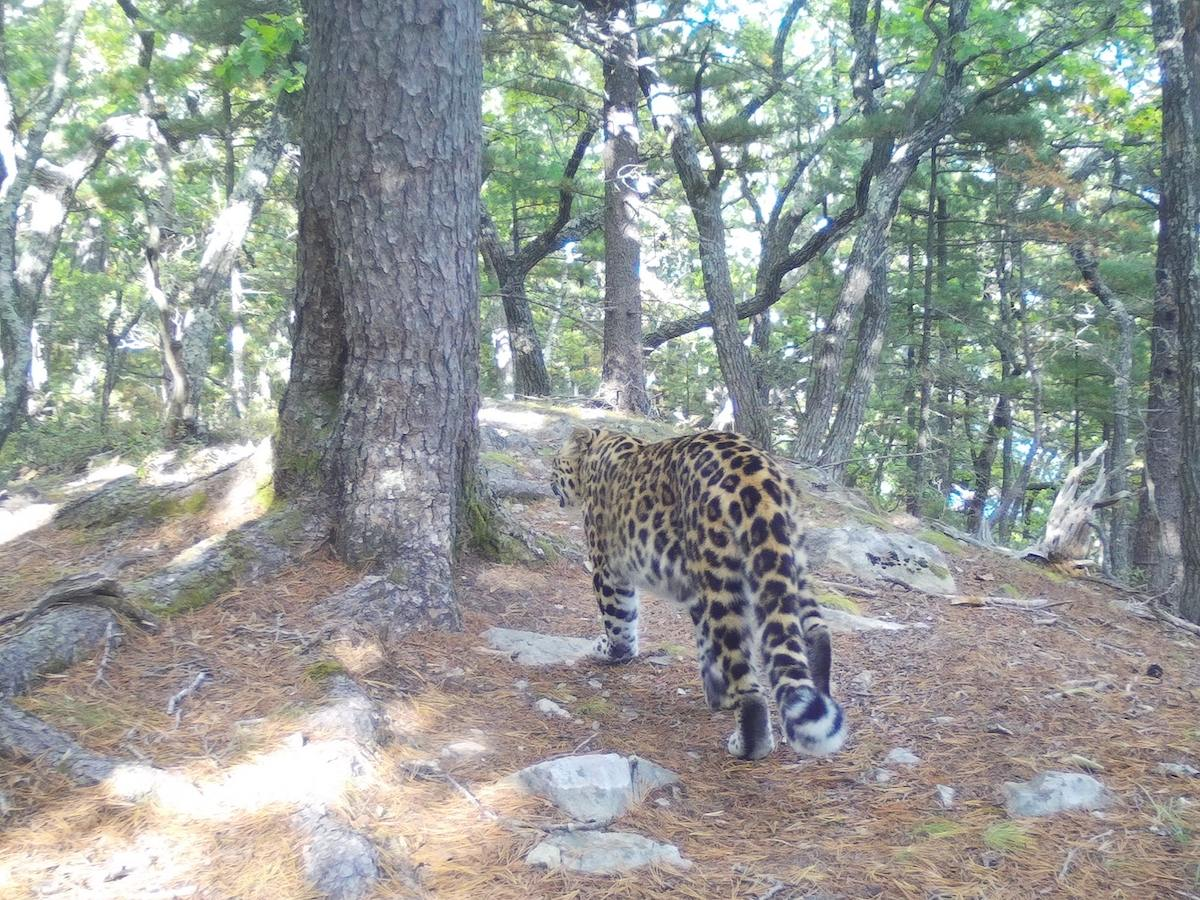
(530, 378)
(377, 425)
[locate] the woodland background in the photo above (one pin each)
(922, 246)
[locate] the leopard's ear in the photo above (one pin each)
(581, 439)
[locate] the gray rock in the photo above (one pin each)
(461, 751)
(532, 649)
(1054, 792)
(1176, 770)
(603, 853)
(945, 795)
(902, 757)
(844, 622)
(883, 776)
(863, 680)
(339, 862)
(880, 556)
(597, 787)
(551, 710)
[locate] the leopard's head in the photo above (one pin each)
(568, 466)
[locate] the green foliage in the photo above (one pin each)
(267, 51)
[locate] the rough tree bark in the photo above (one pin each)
(530, 377)
(622, 375)
(1177, 34)
(852, 405)
(379, 416)
(1157, 546)
(1120, 537)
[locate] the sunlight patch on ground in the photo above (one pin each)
(518, 419)
(16, 522)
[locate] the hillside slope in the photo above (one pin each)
(980, 695)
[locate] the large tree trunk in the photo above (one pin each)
(623, 376)
(1177, 33)
(379, 416)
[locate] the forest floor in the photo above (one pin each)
(982, 695)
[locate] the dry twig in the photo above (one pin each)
(175, 704)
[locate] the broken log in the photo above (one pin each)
(1067, 536)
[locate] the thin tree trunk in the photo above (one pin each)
(934, 215)
(23, 270)
(221, 247)
(869, 248)
(622, 376)
(1120, 537)
(237, 344)
(852, 405)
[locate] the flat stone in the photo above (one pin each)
(603, 853)
(844, 622)
(945, 795)
(529, 648)
(902, 757)
(1176, 770)
(876, 555)
(461, 751)
(551, 710)
(1054, 792)
(596, 787)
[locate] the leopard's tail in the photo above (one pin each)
(796, 653)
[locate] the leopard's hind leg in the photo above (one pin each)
(726, 654)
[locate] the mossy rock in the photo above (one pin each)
(835, 600)
(324, 670)
(943, 542)
(172, 507)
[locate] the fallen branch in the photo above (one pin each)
(175, 704)
(1171, 619)
(111, 636)
(431, 770)
(1009, 602)
(952, 532)
(848, 588)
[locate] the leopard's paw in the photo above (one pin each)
(753, 737)
(609, 651)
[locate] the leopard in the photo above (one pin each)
(711, 522)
